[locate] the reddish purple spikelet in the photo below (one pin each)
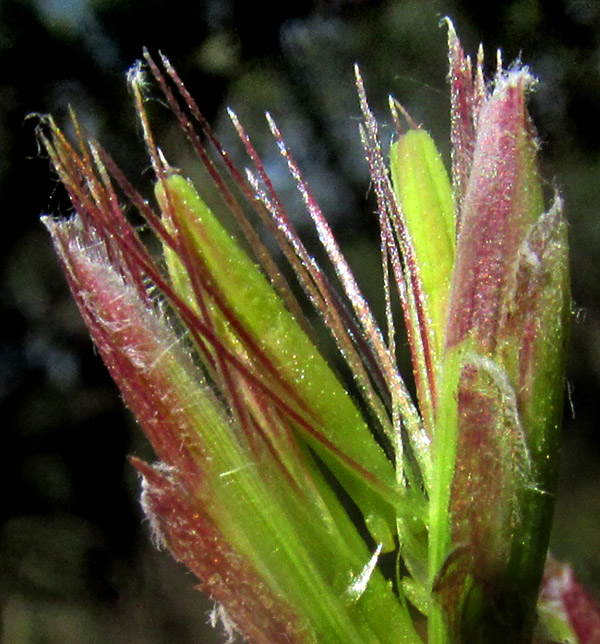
(565, 597)
(184, 524)
(146, 359)
(505, 341)
(502, 199)
(129, 336)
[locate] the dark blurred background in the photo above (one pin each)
(76, 564)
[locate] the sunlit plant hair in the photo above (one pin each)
(283, 493)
